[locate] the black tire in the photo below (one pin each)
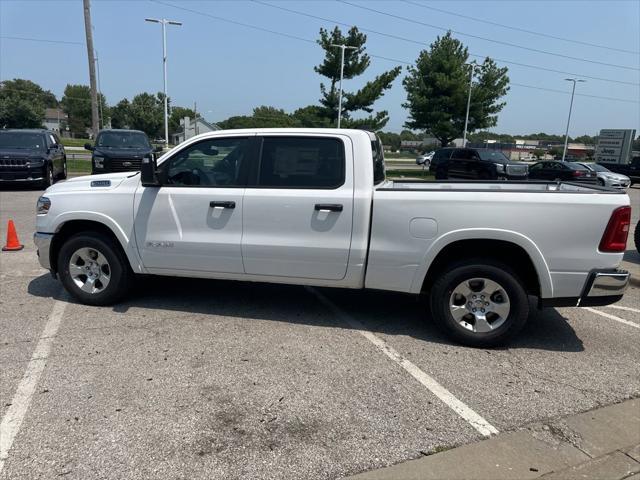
(457, 273)
(441, 173)
(600, 182)
(120, 274)
(636, 237)
(48, 179)
(63, 174)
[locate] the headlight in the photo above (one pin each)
(98, 161)
(35, 162)
(499, 168)
(43, 206)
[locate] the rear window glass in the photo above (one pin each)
(378, 162)
(575, 166)
(441, 154)
(302, 162)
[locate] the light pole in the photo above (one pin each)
(566, 134)
(164, 22)
(343, 48)
(466, 118)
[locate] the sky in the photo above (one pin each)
(228, 68)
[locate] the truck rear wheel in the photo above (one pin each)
(93, 269)
(479, 302)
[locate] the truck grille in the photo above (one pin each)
(13, 162)
(125, 165)
(517, 170)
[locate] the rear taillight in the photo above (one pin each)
(578, 173)
(615, 235)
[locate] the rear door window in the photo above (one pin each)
(302, 162)
(378, 161)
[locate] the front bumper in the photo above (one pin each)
(603, 287)
(33, 174)
(43, 245)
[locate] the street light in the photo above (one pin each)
(343, 48)
(566, 134)
(164, 22)
(472, 66)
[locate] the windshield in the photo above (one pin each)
(22, 140)
(122, 140)
(492, 156)
(595, 167)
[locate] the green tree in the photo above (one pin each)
(262, 117)
(312, 116)
(121, 114)
(586, 139)
(146, 113)
(355, 63)
(22, 103)
(390, 139)
(76, 103)
(437, 87)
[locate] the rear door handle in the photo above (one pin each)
(223, 204)
(328, 207)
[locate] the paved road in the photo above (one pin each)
(209, 379)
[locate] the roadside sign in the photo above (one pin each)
(614, 146)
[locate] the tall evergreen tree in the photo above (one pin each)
(355, 63)
(438, 85)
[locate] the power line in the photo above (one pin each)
(577, 94)
(417, 42)
(518, 29)
(457, 32)
(43, 40)
(311, 41)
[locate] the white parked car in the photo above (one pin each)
(424, 159)
(313, 207)
(607, 178)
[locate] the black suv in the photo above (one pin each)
(475, 164)
(30, 156)
(119, 151)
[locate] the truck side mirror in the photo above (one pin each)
(88, 146)
(148, 172)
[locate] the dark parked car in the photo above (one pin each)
(119, 151)
(30, 156)
(553, 170)
(476, 164)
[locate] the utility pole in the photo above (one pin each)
(100, 111)
(343, 48)
(92, 67)
(164, 22)
(566, 134)
(466, 118)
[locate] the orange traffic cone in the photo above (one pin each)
(12, 239)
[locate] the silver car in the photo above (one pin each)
(425, 159)
(607, 178)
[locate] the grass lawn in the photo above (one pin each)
(78, 167)
(396, 155)
(75, 142)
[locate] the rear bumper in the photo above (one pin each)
(43, 245)
(603, 287)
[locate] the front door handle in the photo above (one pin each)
(214, 204)
(328, 207)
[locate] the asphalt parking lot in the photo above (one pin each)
(207, 379)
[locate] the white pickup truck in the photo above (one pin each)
(313, 207)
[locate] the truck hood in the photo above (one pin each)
(122, 152)
(21, 153)
(106, 181)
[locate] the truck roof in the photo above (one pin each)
(343, 131)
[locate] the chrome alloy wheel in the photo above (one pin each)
(89, 270)
(479, 305)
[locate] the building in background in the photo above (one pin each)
(54, 119)
(191, 128)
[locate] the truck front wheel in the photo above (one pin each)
(93, 269)
(479, 302)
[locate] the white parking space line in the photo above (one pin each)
(612, 317)
(626, 309)
(449, 399)
(14, 416)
